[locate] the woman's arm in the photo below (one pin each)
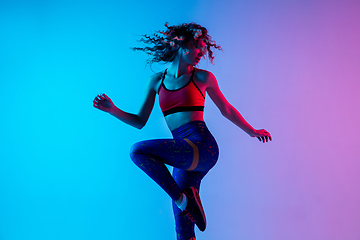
(138, 120)
(228, 111)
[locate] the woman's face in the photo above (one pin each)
(194, 51)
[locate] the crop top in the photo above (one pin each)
(187, 98)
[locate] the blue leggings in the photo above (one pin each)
(192, 153)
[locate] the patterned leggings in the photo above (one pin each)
(192, 153)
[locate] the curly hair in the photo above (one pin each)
(166, 43)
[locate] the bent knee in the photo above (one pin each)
(136, 148)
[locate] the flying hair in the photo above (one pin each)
(165, 44)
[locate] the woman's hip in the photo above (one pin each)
(197, 134)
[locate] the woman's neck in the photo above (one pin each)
(179, 67)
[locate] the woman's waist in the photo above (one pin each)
(177, 120)
(194, 130)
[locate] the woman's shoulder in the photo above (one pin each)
(203, 76)
(156, 76)
(155, 80)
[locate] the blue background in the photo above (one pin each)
(291, 67)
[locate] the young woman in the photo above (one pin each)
(182, 89)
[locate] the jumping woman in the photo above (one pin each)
(182, 89)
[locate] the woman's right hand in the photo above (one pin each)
(104, 103)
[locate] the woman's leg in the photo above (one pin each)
(152, 155)
(185, 179)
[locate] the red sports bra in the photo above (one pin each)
(186, 98)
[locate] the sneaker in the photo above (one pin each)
(194, 210)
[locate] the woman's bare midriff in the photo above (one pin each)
(178, 119)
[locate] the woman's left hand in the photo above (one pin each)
(262, 135)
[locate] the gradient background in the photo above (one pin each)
(291, 67)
